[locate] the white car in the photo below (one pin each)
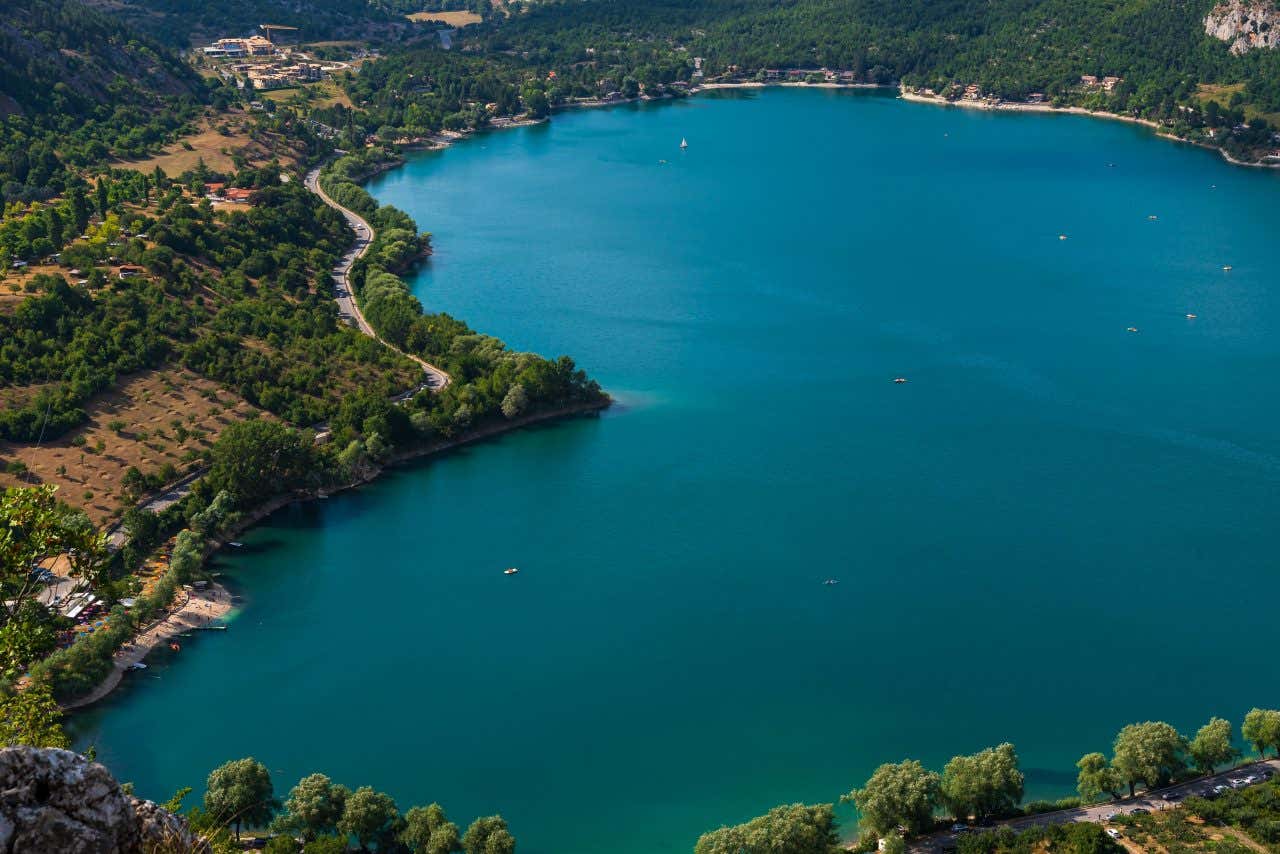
(1113, 833)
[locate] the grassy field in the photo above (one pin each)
(215, 142)
(158, 417)
(1222, 92)
(453, 19)
(323, 94)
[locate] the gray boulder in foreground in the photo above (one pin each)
(58, 801)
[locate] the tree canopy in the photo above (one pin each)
(905, 793)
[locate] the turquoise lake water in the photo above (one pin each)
(1055, 528)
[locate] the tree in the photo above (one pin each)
(1212, 746)
(488, 835)
(1262, 730)
(253, 460)
(1149, 753)
(313, 807)
(370, 816)
(984, 784)
(240, 792)
(35, 526)
(793, 829)
(903, 794)
(32, 718)
(1096, 778)
(516, 401)
(427, 831)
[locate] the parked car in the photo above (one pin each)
(1172, 796)
(1113, 833)
(959, 827)
(1112, 816)
(1139, 811)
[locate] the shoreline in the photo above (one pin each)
(197, 609)
(156, 634)
(1049, 109)
(443, 140)
(200, 608)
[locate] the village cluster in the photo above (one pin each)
(262, 63)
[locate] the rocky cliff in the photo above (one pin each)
(1245, 25)
(56, 800)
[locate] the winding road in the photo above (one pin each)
(348, 309)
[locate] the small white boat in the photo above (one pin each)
(899, 379)
(236, 545)
(1062, 237)
(510, 571)
(684, 143)
(831, 581)
(1153, 217)
(137, 665)
(1226, 268)
(1191, 317)
(1132, 329)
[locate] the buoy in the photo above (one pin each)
(175, 647)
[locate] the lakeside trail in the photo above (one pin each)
(436, 379)
(194, 609)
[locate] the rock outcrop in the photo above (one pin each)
(58, 801)
(1245, 25)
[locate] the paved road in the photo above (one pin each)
(1159, 799)
(436, 379)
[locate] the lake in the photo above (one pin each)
(1055, 527)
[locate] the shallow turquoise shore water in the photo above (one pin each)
(1054, 528)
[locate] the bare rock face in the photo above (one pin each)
(58, 801)
(1245, 25)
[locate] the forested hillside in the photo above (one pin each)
(76, 88)
(184, 22)
(1009, 47)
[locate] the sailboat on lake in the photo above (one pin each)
(684, 143)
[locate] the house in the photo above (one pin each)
(1088, 80)
(772, 74)
(214, 188)
(1109, 83)
(847, 77)
(1035, 98)
(972, 92)
(128, 271)
(237, 194)
(259, 46)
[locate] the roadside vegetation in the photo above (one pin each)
(905, 800)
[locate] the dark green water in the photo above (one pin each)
(1055, 528)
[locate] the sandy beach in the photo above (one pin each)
(191, 610)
